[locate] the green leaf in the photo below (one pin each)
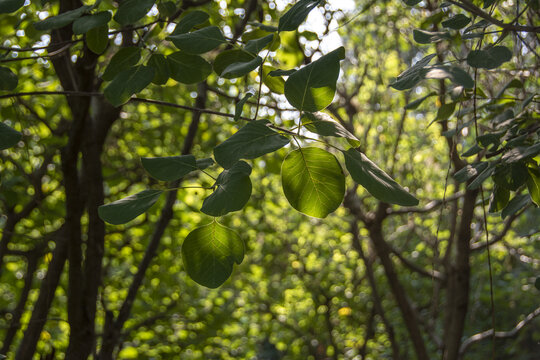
(169, 168)
(8, 79)
(457, 75)
(9, 6)
(516, 204)
(470, 171)
(204, 163)
(161, 68)
(237, 70)
(411, 2)
(280, 72)
(489, 59)
(312, 88)
(375, 180)
(520, 153)
(428, 37)
(257, 45)
(239, 109)
(475, 149)
(533, 184)
(166, 8)
(59, 21)
(413, 75)
(8, 137)
(123, 59)
(275, 83)
(313, 181)
(416, 103)
(537, 283)
(188, 69)
(127, 83)
(97, 39)
(198, 42)
(325, 125)
(445, 111)
(128, 208)
(190, 20)
(483, 176)
(251, 141)
(132, 10)
(228, 57)
(233, 190)
(296, 15)
(84, 24)
(499, 199)
(457, 22)
(209, 254)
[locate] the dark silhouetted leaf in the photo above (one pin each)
(239, 108)
(499, 199)
(59, 21)
(187, 68)
(428, 37)
(127, 83)
(516, 204)
(413, 75)
(122, 60)
(130, 11)
(296, 15)
(198, 42)
(9, 6)
(161, 68)
(97, 39)
(169, 168)
(127, 209)
(8, 79)
(489, 59)
(190, 20)
(457, 22)
(86, 23)
(8, 137)
(229, 57)
(256, 45)
(241, 68)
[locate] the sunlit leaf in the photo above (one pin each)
(123, 59)
(127, 209)
(251, 141)
(169, 168)
(128, 83)
(375, 180)
(296, 15)
(313, 181)
(210, 252)
(8, 137)
(312, 88)
(83, 24)
(198, 42)
(233, 190)
(130, 11)
(188, 69)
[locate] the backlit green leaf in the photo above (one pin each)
(253, 140)
(127, 83)
(375, 180)
(8, 137)
(97, 39)
(83, 24)
(198, 42)
(169, 168)
(127, 209)
(489, 59)
(312, 88)
(313, 181)
(296, 15)
(233, 190)
(59, 21)
(188, 69)
(533, 184)
(209, 254)
(123, 59)
(130, 11)
(8, 79)
(9, 6)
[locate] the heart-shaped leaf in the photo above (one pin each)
(59, 21)
(122, 60)
(296, 15)
(198, 42)
(313, 181)
(169, 168)
(128, 208)
(128, 83)
(489, 59)
(376, 181)
(188, 69)
(8, 136)
(312, 88)
(253, 140)
(209, 254)
(233, 190)
(130, 11)
(8, 79)
(86, 23)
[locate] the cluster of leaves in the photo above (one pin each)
(510, 137)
